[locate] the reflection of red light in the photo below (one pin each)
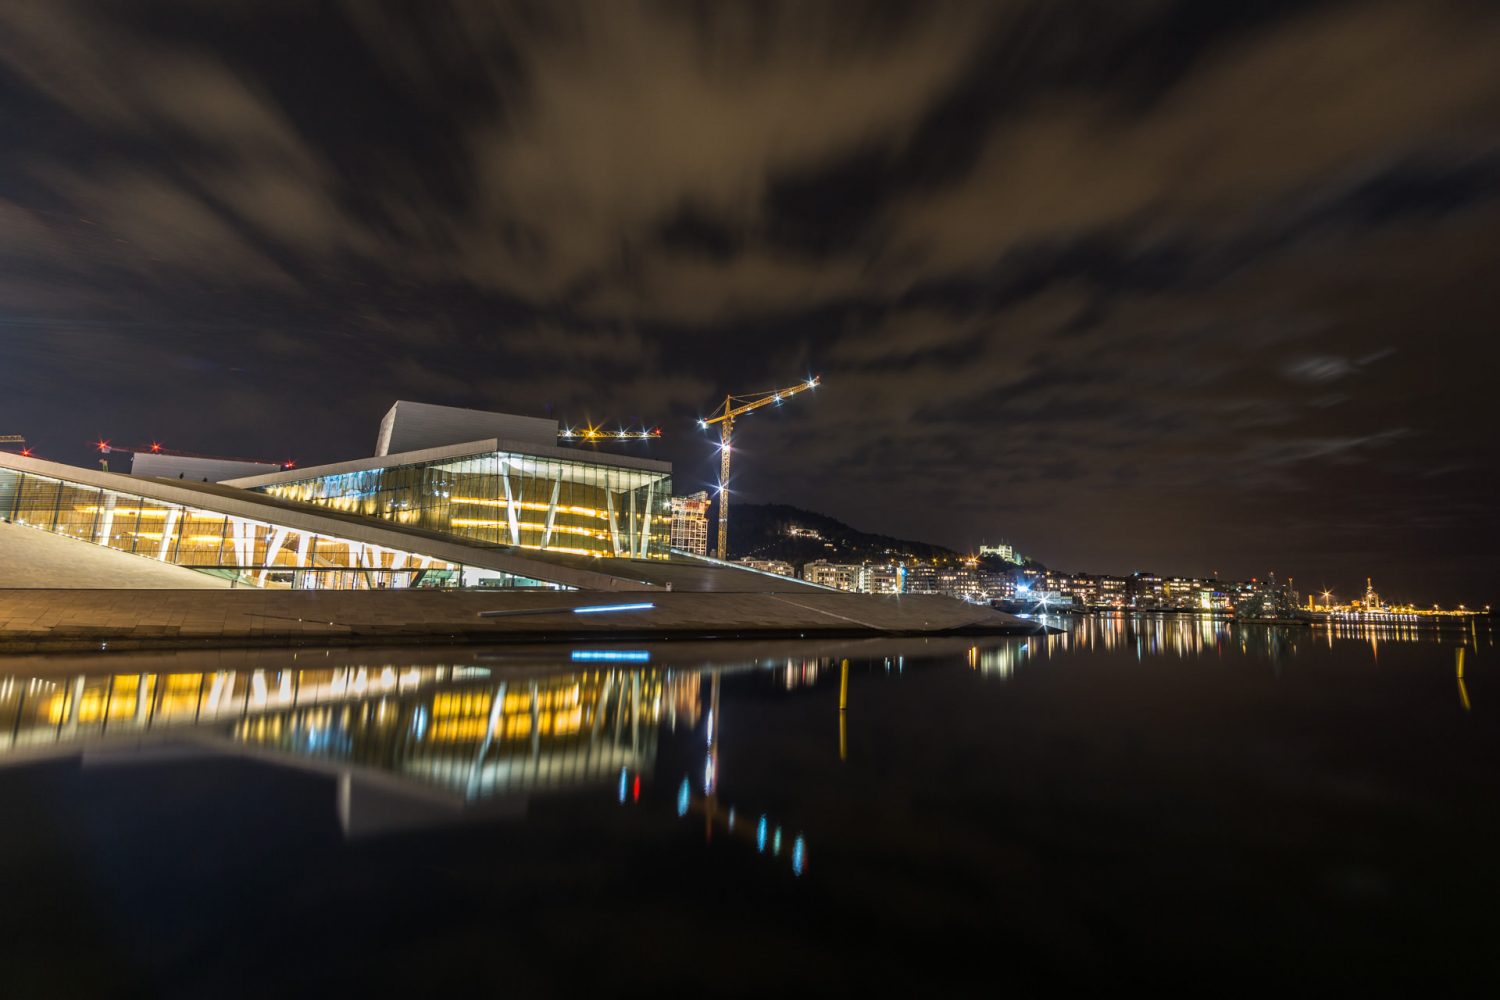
(635, 789)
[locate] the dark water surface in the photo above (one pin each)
(1162, 801)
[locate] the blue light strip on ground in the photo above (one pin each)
(599, 609)
(611, 655)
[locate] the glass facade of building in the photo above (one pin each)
(246, 551)
(508, 498)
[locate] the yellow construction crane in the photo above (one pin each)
(735, 406)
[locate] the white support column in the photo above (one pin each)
(510, 504)
(166, 533)
(552, 510)
(376, 558)
(273, 548)
(630, 528)
(614, 524)
(304, 547)
(106, 520)
(237, 540)
(646, 521)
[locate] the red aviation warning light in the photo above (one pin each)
(157, 448)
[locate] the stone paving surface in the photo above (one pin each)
(30, 557)
(39, 619)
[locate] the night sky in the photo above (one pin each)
(1188, 287)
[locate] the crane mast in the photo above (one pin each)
(724, 416)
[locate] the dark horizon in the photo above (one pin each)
(1161, 287)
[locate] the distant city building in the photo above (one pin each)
(690, 523)
(1145, 590)
(997, 586)
(964, 582)
(841, 576)
(776, 566)
(1002, 551)
(886, 578)
(797, 531)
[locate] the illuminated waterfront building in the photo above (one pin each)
(497, 512)
(522, 491)
(250, 540)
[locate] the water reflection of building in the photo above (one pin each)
(446, 737)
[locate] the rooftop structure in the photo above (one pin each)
(409, 426)
(169, 465)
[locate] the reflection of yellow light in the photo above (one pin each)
(460, 703)
(458, 730)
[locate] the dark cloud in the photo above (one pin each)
(1173, 284)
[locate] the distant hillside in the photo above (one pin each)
(765, 531)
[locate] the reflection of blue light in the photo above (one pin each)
(776, 841)
(598, 609)
(760, 835)
(419, 722)
(799, 854)
(622, 786)
(611, 655)
(684, 794)
(731, 819)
